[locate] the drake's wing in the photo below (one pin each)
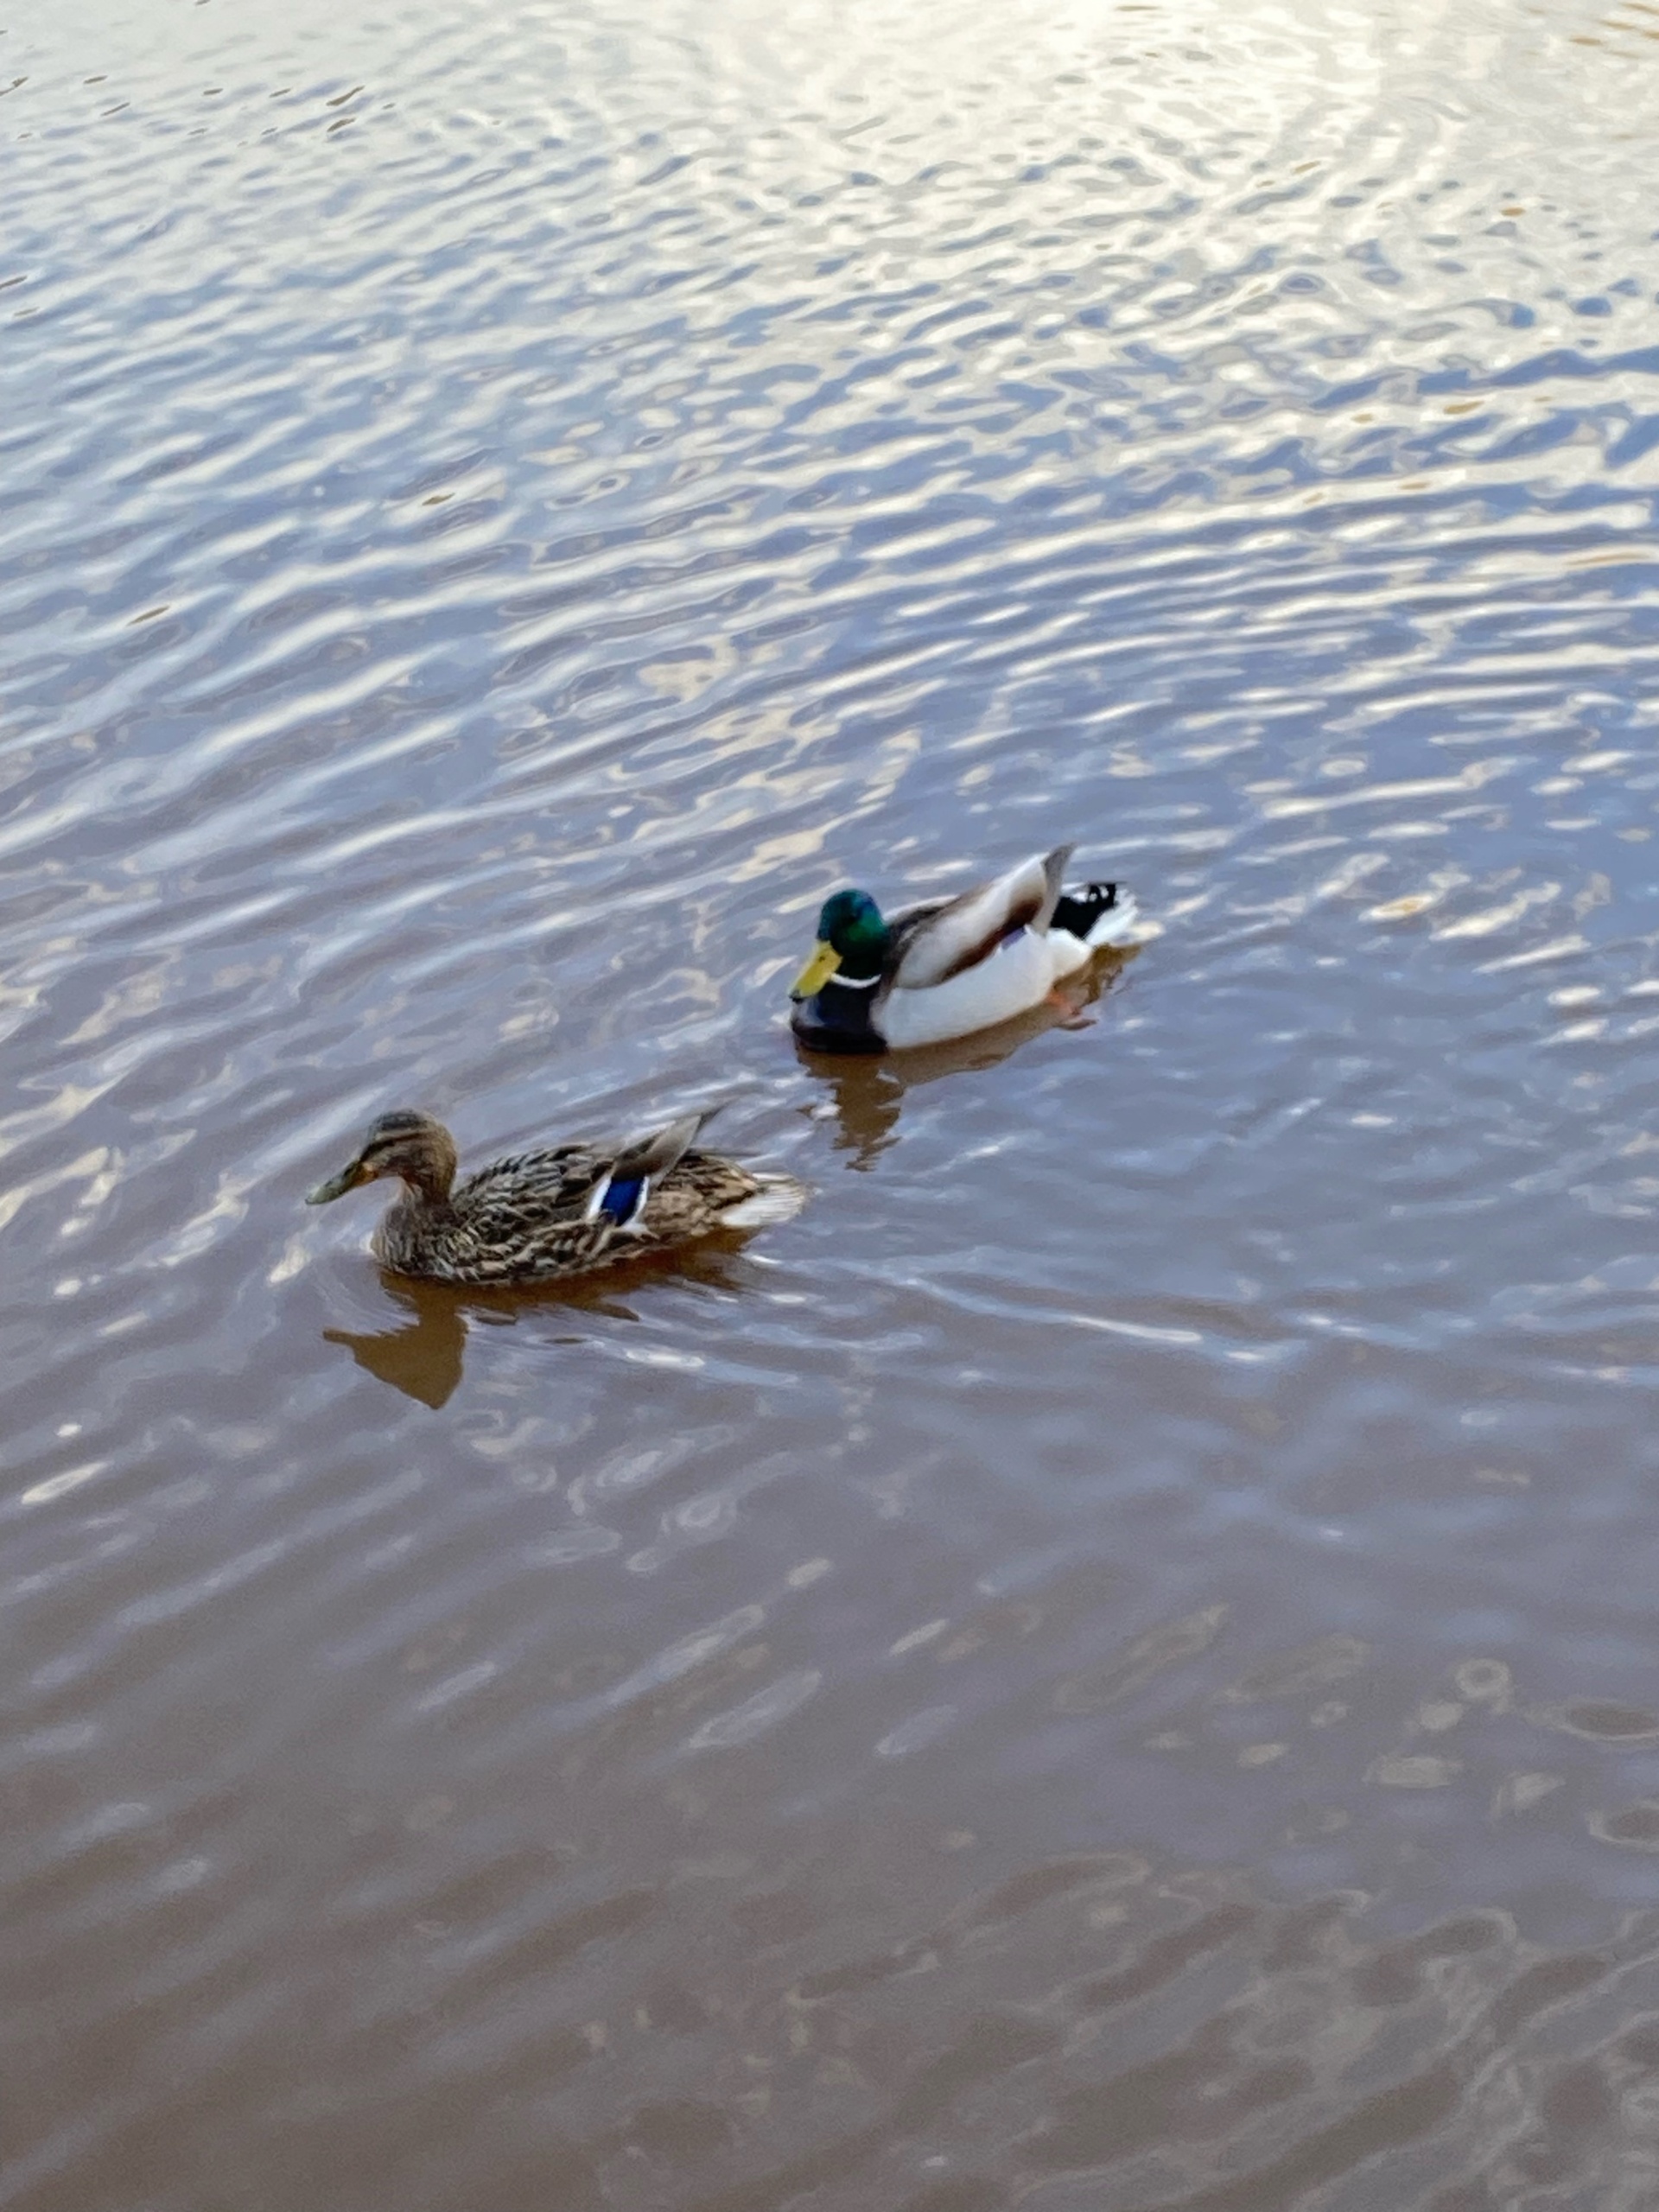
(939, 939)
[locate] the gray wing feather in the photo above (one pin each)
(656, 1154)
(941, 938)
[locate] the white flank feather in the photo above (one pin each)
(1017, 976)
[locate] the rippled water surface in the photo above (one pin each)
(1111, 1663)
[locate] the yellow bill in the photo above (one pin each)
(817, 971)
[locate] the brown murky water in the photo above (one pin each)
(1112, 1663)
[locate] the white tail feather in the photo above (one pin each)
(781, 1198)
(1120, 924)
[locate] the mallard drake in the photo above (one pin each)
(948, 967)
(539, 1216)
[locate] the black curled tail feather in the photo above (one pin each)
(1078, 911)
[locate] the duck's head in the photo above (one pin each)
(405, 1143)
(852, 944)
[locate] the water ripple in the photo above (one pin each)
(506, 510)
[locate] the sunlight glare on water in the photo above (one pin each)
(1108, 1663)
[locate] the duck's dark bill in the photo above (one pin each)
(337, 1185)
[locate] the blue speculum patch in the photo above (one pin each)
(622, 1200)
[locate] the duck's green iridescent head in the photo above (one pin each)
(852, 942)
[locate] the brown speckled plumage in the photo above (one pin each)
(538, 1215)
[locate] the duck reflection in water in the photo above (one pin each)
(866, 1096)
(425, 1356)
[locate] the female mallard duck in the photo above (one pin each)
(950, 966)
(543, 1215)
